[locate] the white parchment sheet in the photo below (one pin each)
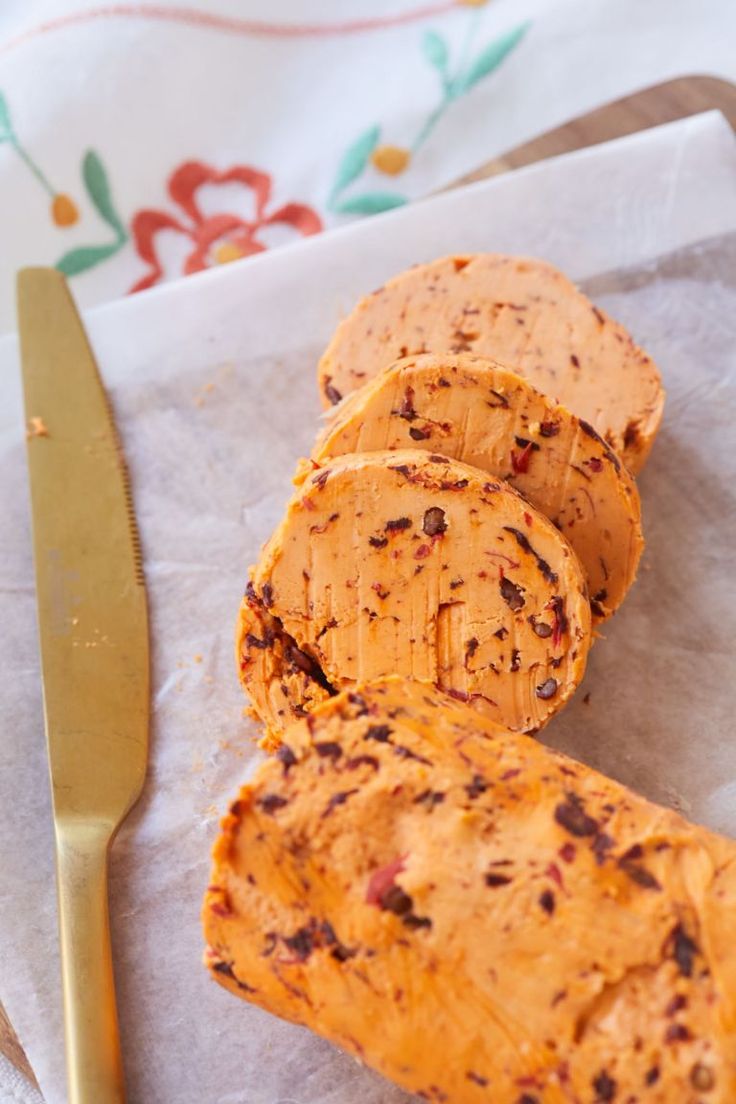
(213, 384)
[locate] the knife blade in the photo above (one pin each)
(93, 631)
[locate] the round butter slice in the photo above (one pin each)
(478, 412)
(411, 563)
(520, 311)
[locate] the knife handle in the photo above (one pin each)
(93, 1059)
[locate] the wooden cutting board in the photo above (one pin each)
(662, 103)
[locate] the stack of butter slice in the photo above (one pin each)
(455, 522)
(476, 916)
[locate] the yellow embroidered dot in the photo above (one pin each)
(391, 160)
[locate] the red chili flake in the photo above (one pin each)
(380, 591)
(497, 880)
(520, 460)
(513, 564)
(501, 633)
(595, 464)
(523, 543)
(547, 901)
(380, 733)
(320, 479)
(567, 852)
(458, 485)
(553, 871)
(363, 760)
(599, 315)
(528, 519)
(406, 410)
(397, 525)
(501, 403)
(378, 542)
(678, 1002)
(328, 749)
(639, 874)
(459, 695)
(527, 1098)
(571, 816)
(430, 798)
(631, 435)
(331, 392)
(267, 595)
(271, 802)
(455, 583)
(559, 627)
(477, 786)
(601, 846)
(417, 434)
(287, 757)
(651, 1077)
(471, 646)
(595, 436)
(476, 1078)
(574, 360)
(677, 1033)
(382, 880)
(337, 799)
(515, 660)
(549, 429)
(507, 775)
(307, 503)
(220, 909)
(422, 552)
(442, 382)
(605, 1087)
(684, 950)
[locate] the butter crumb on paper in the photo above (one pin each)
(36, 428)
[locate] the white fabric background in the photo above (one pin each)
(147, 95)
(150, 95)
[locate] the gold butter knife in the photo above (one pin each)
(93, 628)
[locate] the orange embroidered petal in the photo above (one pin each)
(391, 160)
(64, 210)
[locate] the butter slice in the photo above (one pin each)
(411, 563)
(525, 314)
(481, 413)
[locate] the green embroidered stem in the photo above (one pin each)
(467, 42)
(31, 164)
(431, 122)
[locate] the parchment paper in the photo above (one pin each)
(213, 384)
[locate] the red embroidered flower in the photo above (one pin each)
(215, 238)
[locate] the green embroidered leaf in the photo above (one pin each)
(489, 59)
(355, 159)
(98, 189)
(370, 203)
(79, 260)
(6, 127)
(436, 52)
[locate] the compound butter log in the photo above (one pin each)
(410, 563)
(476, 411)
(525, 314)
(477, 917)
